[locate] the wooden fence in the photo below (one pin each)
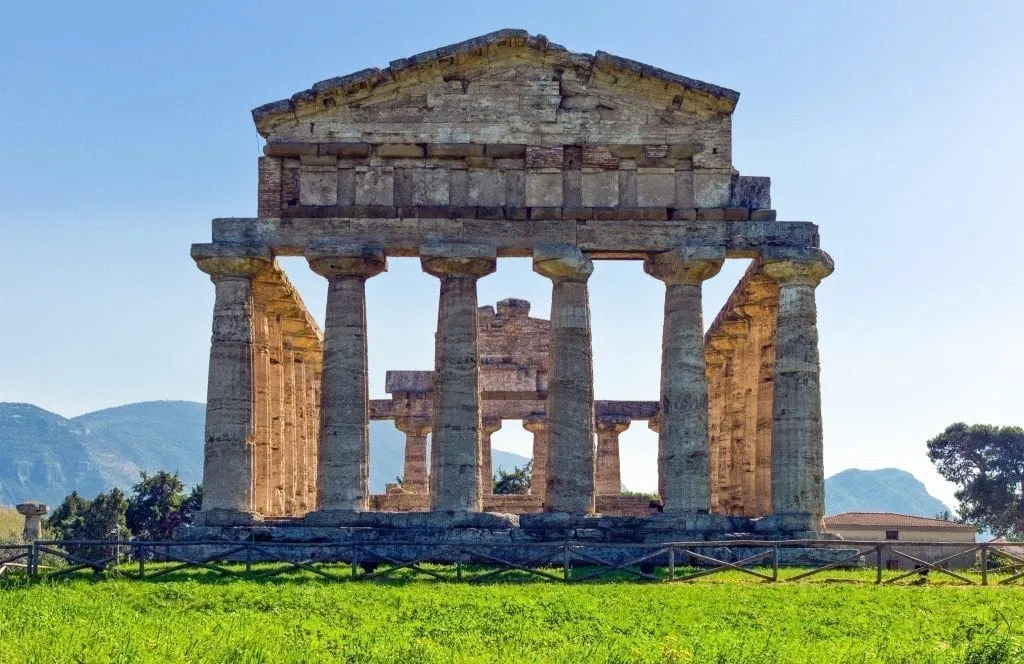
(570, 561)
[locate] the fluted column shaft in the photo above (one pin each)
(455, 485)
(414, 475)
(797, 447)
(683, 444)
(607, 474)
(570, 407)
(343, 464)
(538, 426)
(488, 427)
(228, 449)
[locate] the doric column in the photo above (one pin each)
(683, 440)
(344, 451)
(570, 408)
(798, 492)
(414, 475)
(456, 432)
(607, 475)
(488, 426)
(228, 450)
(741, 454)
(714, 362)
(723, 413)
(538, 426)
(288, 416)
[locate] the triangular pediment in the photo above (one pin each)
(504, 87)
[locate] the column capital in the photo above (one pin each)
(654, 424)
(413, 425)
(346, 260)
(229, 261)
(686, 264)
(490, 424)
(535, 423)
(453, 259)
(32, 509)
(796, 266)
(562, 262)
(723, 343)
(613, 423)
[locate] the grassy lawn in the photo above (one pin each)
(11, 524)
(198, 617)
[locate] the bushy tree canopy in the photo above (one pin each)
(158, 505)
(101, 518)
(987, 465)
(515, 481)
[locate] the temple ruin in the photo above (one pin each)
(508, 145)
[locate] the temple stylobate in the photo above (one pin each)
(509, 145)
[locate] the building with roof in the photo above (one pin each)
(953, 537)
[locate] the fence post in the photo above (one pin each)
(31, 566)
(984, 563)
(878, 569)
(775, 562)
(671, 562)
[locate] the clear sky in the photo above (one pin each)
(897, 127)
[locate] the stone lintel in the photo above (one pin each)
(414, 382)
(420, 404)
(610, 240)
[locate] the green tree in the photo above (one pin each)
(515, 481)
(158, 505)
(102, 518)
(987, 465)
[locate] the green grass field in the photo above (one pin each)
(198, 617)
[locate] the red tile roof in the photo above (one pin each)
(890, 520)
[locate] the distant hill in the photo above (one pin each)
(885, 490)
(44, 456)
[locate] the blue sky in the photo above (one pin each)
(894, 126)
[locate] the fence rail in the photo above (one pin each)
(568, 561)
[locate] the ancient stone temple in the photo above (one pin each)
(509, 145)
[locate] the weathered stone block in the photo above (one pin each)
(288, 149)
(545, 213)
(600, 189)
(486, 187)
(627, 188)
(318, 186)
(737, 214)
(515, 188)
(458, 187)
(711, 214)
(544, 156)
(422, 186)
(400, 150)
(599, 156)
(269, 188)
(626, 151)
(454, 150)
(684, 189)
(711, 189)
(505, 151)
(375, 186)
(346, 186)
(684, 214)
(346, 150)
(572, 188)
(655, 188)
(751, 192)
(543, 189)
(763, 215)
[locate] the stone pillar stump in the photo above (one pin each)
(33, 513)
(343, 466)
